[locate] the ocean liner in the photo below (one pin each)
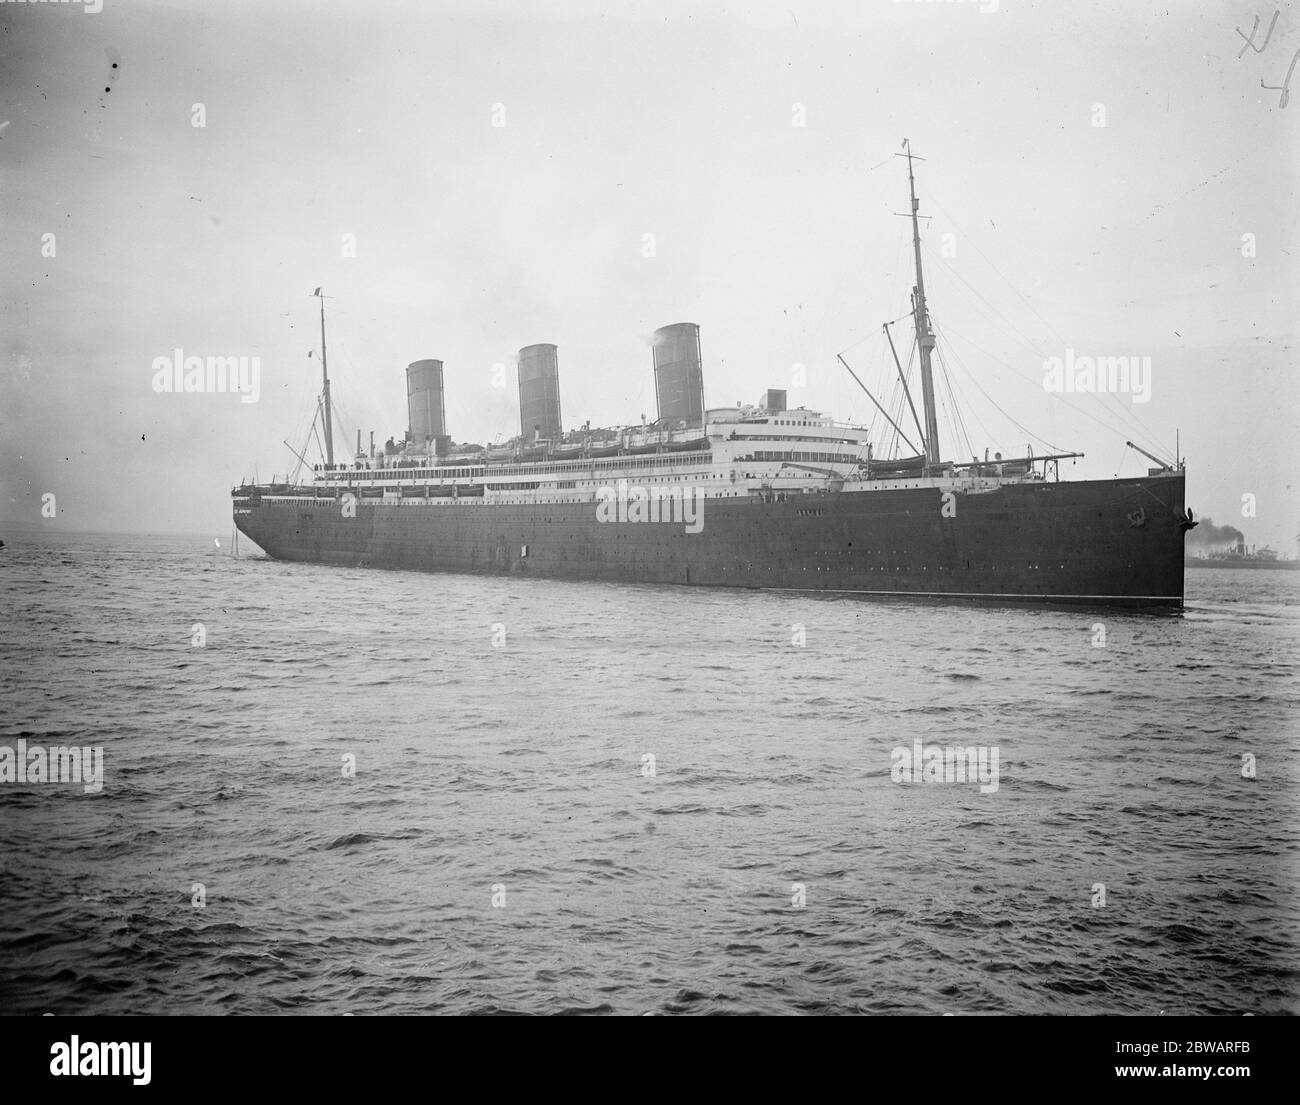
(757, 496)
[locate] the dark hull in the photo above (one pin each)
(1099, 543)
(1267, 565)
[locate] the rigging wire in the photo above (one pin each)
(959, 423)
(970, 410)
(975, 379)
(1075, 407)
(1132, 424)
(897, 399)
(954, 417)
(975, 246)
(897, 394)
(344, 424)
(1033, 346)
(299, 432)
(901, 242)
(349, 378)
(316, 435)
(1120, 463)
(966, 406)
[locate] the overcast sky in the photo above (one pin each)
(674, 120)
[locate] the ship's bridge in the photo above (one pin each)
(779, 445)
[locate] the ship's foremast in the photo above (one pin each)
(325, 397)
(921, 320)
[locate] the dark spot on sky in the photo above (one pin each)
(114, 65)
(108, 90)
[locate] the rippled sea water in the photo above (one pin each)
(504, 847)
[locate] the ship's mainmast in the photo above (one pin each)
(924, 335)
(324, 368)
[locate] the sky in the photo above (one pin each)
(464, 179)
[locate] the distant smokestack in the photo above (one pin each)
(775, 399)
(1209, 536)
(679, 374)
(539, 393)
(424, 404)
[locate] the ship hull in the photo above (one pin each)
(1248, 565)
(1101, 543)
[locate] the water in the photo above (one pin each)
(504, 847)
